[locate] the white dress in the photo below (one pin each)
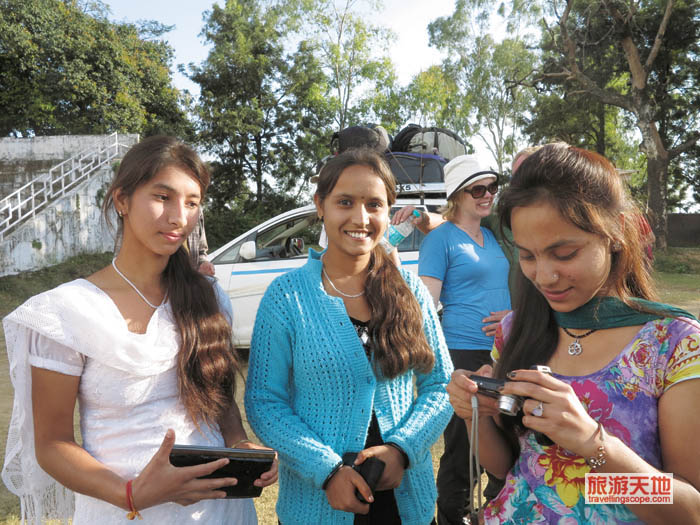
(128, 398)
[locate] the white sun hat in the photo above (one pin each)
(463, 171)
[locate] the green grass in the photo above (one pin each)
(680, 290)
(678, 260)
(677, 275)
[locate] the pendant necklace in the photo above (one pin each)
(149, 303)
(575, 348)
(348, 295)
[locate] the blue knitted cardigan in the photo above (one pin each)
(311, 391)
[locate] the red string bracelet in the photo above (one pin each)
(133, 513)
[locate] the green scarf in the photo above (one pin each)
(611, 312)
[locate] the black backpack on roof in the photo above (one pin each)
(373, 137)
(430, 141)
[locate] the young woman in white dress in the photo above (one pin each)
(144, 346)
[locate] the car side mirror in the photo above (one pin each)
(248, 251)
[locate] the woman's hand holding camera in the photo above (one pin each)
(461, 390)
(561, 417)
(161, 482)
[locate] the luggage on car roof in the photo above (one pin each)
(374, 137)
(415, 168)
(416, 156)
(431, 140)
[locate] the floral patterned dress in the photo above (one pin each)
(546, 484)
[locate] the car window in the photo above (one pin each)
(288, 239)
(230, 256)
(412, 242)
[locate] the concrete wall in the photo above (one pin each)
(15, 174)
(684, 229)
(69, 226)
(23, 159)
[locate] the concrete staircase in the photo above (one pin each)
(57, 214)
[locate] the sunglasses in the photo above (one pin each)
(479, 191)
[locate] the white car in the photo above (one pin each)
(248, 264)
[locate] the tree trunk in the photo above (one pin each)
(657, 177)
(600, 136)
(657, 174)
(258, 169)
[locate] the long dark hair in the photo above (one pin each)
(396, 326)
(586, 189)
(206, 359)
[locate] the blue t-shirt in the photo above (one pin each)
(474, 282)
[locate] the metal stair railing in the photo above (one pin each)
(31, 198)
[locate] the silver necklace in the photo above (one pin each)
(149, 303)
(575, 348)
(348, 295)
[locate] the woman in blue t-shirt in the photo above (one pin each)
(465, 269)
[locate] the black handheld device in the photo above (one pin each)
(245, 465)
(370, 469)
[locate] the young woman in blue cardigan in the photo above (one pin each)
(337, 347)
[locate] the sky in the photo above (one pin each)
(409, 19)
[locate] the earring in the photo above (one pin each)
(120, 213)
(555, 276)
(616, 246)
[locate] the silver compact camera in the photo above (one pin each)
(508, 404)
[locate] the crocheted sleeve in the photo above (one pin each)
(268, 401)
(431, 410)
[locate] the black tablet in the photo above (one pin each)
(245, 465)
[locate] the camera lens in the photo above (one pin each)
(509, 404)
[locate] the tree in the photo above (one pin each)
(354, 57)
(66, 69)
(498, 101)
(577, 120)
(261, 110)
(661, 68)
(433, 98)
(486, 74)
